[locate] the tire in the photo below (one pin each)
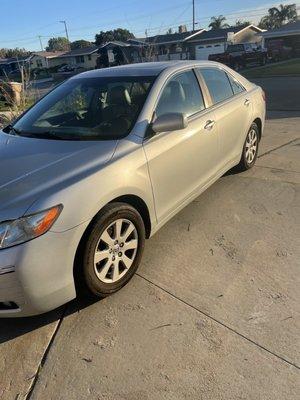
(263, 61)
(248, 161)
(237, 66)
(104, 270)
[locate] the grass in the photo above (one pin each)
(285, 68)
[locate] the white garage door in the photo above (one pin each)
(203, 51)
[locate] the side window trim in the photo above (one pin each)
(205, 92)
(212, 104)
(192, 69)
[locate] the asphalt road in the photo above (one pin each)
(282, 93)
(212, 314)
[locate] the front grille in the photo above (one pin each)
(11, 293)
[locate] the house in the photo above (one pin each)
(286, 36)
(215, 40)
(201, 43)
(85, 57)
(12, 65)
(45, 59)
(117, 52)
(172, 46)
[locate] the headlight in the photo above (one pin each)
(26, 228)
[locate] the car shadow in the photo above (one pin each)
(12, 328)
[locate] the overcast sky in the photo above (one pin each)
(23, 20)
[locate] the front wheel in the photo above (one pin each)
(113, 249)
(250, 149)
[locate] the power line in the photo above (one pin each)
(237, 14)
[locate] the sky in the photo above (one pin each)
(26, 19)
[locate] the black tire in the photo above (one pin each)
(244, 164)
(263, 61)
(237, 66)
(106, 217)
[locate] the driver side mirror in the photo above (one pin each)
(169, 122)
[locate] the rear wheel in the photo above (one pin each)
(263, 61)
(237, 66)
(113, 249)
(250, 149)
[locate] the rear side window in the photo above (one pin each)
(218, 84)
(181, 94)
(236, 86)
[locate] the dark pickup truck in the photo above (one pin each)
(238, 56)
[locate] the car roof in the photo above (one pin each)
(140, 69)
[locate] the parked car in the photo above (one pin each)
(70, 68)
(102, 162)
(242, 55)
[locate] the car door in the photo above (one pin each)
(181, 162)
(233, 111)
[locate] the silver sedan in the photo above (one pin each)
(105, 160)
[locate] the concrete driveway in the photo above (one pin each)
(212, 314)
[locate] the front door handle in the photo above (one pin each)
(247, 102)
(209, 125)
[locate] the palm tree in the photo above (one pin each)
(284, 13)
(242, 24)
(278, 16)
(218, 22)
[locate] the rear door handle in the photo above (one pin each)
(247, 102)
(209, 125)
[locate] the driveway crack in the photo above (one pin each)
(291, 363)
(277, 148)
(45, 355)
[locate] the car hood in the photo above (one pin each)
(30, 167)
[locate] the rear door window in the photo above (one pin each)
(217, 83)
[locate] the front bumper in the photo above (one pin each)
(37, 276)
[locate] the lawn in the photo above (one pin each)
(286, 68)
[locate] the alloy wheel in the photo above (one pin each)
(116, 250)
(251, 146)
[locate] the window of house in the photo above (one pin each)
(182, 94)
(89, 57)
(218, 84)
(79, 59)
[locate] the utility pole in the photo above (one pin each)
(40, 39)
(193, 15)
(66, 29)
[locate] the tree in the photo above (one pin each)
(278, 16)
(8, 53)
(119, 34)
(80, 44)
(169, 31)
(218, 22)
(242, 24)
(58, 44)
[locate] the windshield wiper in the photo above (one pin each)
(44, 135)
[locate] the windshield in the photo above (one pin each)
(87, 109)
(233, 48)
